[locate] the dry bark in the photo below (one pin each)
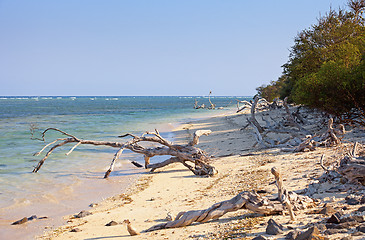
(195, 159)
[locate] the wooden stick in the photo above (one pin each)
(282, 192)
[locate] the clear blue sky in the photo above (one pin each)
(148, 47)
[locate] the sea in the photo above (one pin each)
(67, 184)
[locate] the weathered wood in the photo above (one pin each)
(291, 119)
(282, 192)
(246, 104)
(212, 106)
(180, 153)
(245, 200)
(253, 118)
(352, 166)
(197, 135)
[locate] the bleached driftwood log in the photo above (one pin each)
(245, 200)
(195, 159)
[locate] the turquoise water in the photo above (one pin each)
(60, 182)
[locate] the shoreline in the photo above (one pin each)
(240, 167)
(56, 207)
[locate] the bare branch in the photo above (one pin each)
(73, 148)
(179, 153)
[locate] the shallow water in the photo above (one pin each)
(66, 184)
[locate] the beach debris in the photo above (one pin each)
(27, 219)
(82, 214)
(202, 106)
(348, 170)
(274, 228)
(292, 235)
(298, 138)
(352, 166)
(132, 231)
(327, 210)
(335, 218)
(168, 217)
(111, 223)
(21, 221)
(283, 194)
(311, 233)
(361, 228)
(76, 230)
(93, 205)
(195, 159)
(250, 200)
(260, 237)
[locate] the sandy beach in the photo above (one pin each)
(157, 197)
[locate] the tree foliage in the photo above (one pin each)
(326, 68)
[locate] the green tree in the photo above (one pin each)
(325, 69)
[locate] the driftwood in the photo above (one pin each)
(291, 119)
(212, 106)
(299, 139)
(261, 104)
(282, 192)
(184, 154)
(202, 106)
(331, 137)
(352, 166)
(245, 200)
(246, 104)
(348, 170)
(197, 106)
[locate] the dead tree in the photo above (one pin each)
(212, 106)
(245, 200)
(195, 159)
(253, 118)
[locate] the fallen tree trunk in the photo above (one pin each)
(184, 154)
(245, 200)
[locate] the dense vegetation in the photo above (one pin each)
(326, 66)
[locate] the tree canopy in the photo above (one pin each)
(326, 68)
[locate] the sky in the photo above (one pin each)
(148, 47)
